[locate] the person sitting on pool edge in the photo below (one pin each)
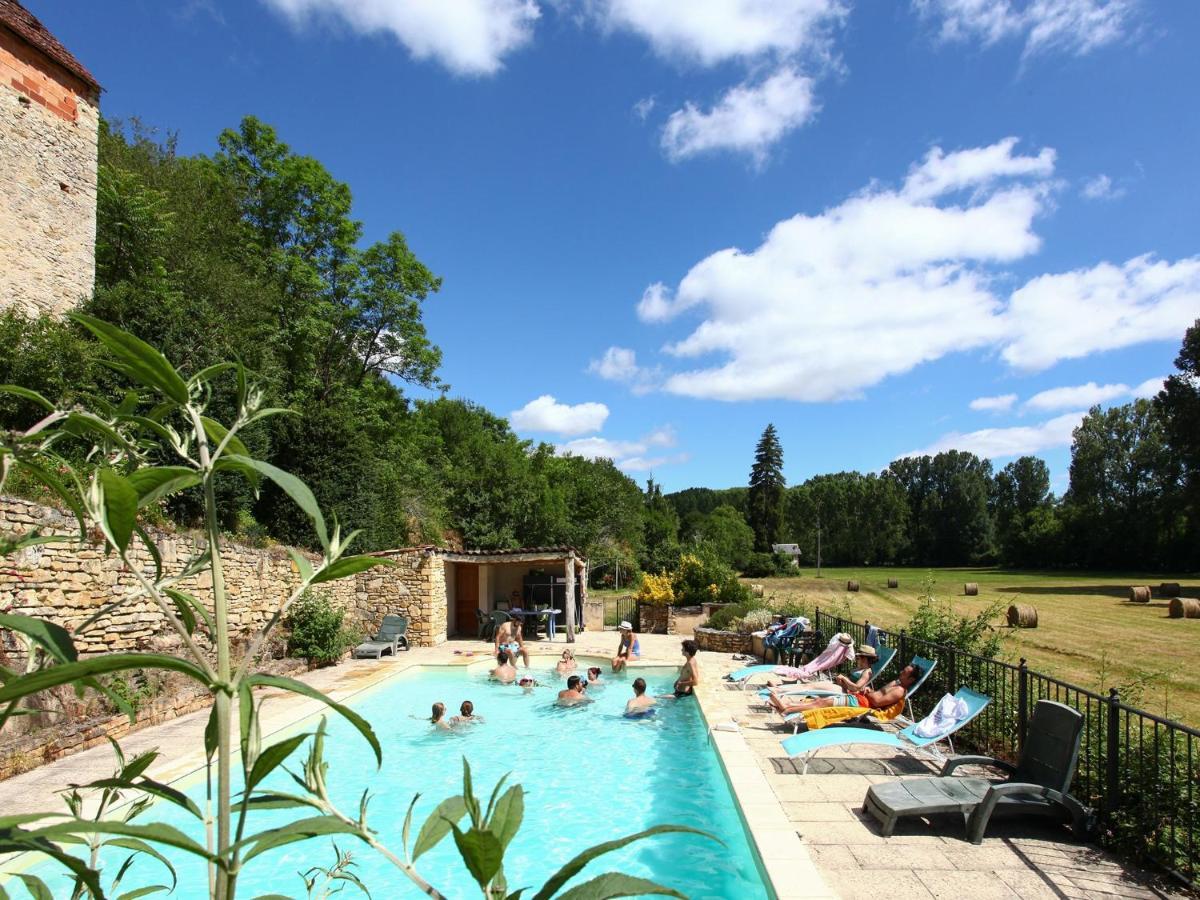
(689, 672)
(438, 719)
(574, 693)
(879, 699)
(466, 715)
(566, 665)
(509, 637)
(640, 705)
(505, 671)
(627, 649)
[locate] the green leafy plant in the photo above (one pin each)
(732, 617)
(322, 883)
(935, 620)
(317, 630)
(165, 416)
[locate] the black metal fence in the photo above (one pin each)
(1138, 771)
(623, 609)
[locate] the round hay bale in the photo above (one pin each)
(1168, 589)
(852, 585)
(1139, 593)
(756, 590)
(971, 589)
(893, 583)
(1022, 615)
(1184, 608)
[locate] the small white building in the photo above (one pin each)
(792, 550)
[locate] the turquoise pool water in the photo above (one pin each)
(588, 773)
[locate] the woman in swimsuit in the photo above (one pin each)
(627, 649)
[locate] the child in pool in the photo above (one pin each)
(641, 705)
(438, 719)
(593, 676)
(466, 715)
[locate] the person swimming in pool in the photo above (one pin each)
(466, 715)
(505, 671)
(438, 719)
(509, 637)
(689, 672)
(566, 664)
(640, 705)
(627, 649)
(527, 684)
(593, 676)
(575, 693)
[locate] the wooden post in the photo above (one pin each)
(569, 612)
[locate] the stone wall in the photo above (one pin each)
(48, 129)
(68, 583)
(653, 618)
(723, 641)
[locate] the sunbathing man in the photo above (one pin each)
(505, 671)
(689, 672)
(878, 699)
(865, 660)
(640, 705)
(509, 637)
(574, 693)
(627, 649)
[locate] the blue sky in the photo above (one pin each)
(885, 227)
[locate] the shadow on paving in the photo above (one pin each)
(898, 765)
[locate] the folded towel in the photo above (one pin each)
(944, 718)
(832, 656)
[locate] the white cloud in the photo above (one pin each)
(644, 107)
(1101, 188)
(716, 31)
(1002, 403)
(1148, 388)
(468, 37)
(620, 364)
(1080, 396)
(629, 456)
(547, 414)
(1075, 314)
(749, 118)
(998, 443)
(832, 303)
(1069, 26)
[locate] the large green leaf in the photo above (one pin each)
(437, 826)
(189, 607)
(17, 841)
(616, 884)
(155, 832)
(26, 394)
(509, 811)
(481, 851)
(38, 889)
(293, 487)
(351, 565)
(575, 866)
(151, 483)
(299, 687)
(67, 673)
(119, 503)
(149, 786)
(217, 433)
(54, 639)
(139, 846)
(271, 757)
(60, 490)
(135, 358)
(144, 891)
(300, 830)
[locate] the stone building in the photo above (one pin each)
(49, 117)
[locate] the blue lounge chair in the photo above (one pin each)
(886, 655)
(807, 744)
(1037, 785)
(925, 665)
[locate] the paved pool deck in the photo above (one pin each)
(808, 829)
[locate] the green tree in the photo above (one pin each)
(1179, 404)
(1027, 523)
(764, 503)
(660, 526)
(949, 518)
(727, 535)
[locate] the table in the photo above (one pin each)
(550, 614)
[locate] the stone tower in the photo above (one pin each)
(49, 116)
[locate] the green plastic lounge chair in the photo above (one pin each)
(389, 639)
(886, 655)
(807, 744)
(1037, 784)
(486, 626)
(926, 666)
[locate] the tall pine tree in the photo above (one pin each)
(764, 507)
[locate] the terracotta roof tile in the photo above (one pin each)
(25, 25)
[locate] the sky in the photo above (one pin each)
(885, 227)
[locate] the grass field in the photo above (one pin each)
(1088, 632)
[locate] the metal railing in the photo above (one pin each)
(1138, 771)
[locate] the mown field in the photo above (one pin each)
(1088, 632)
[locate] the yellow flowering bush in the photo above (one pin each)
(656, 589)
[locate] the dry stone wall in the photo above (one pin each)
(68, 583)
(48, 129)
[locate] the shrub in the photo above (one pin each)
(757, 620)
(792, 609)
(770, 565)
(704, 579)
(656, 589)
(729, 618)
(935, 620)
(318, 631)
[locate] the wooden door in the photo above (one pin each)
(466, 599)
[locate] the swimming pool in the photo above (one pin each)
(589, 776)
